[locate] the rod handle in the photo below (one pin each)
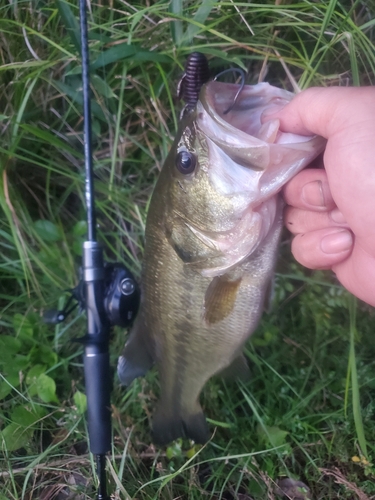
(98, 390)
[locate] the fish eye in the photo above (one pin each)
(185, 162)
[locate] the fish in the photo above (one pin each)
(211, 242)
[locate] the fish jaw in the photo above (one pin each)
(241, 138)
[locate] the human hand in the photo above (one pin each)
(332, 211)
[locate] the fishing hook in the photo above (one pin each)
(242, 84)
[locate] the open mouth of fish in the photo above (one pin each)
(269, 156)
(247, 111)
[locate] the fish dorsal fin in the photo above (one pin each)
(220, 298)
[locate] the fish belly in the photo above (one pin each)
(194, 327)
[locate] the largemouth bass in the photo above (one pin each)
(212, 235)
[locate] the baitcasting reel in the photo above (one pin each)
(121, 297)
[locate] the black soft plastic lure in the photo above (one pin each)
(196, 74)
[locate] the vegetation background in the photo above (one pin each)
(303, 427)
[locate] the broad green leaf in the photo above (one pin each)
(9, 346)
(46, 388)
(274, 435)
(148, 55)
(102, 87)
(15, 436)
(80, 400)
(13, 365)
(27, 416)
(80, 228)
(47, 230)
(23, 326)
(10, 378)
(45, 354)
(32, 377)
(114, 54)
(126, 51)
(5, 389)
(34, 373)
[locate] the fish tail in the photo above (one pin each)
(169, 424)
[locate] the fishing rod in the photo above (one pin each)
(107, 292)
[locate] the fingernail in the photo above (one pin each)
(337, 242)
(337, 216)
(312, 194)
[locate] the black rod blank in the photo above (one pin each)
(89, 182)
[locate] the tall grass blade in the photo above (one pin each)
(71, 23)
(357, 414)
(353, 59)
(200, 17)
(125, 51)
(15, 138)
(176, 8)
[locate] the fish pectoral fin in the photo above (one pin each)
(191, 246)
(237, 370)
(220, 298)
(136, 358)
(168, 424)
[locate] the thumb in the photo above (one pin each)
(327, 111)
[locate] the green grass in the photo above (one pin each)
(308, 411)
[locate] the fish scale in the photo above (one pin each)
(211, 243)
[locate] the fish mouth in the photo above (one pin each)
(248, 153)
(243, 115)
